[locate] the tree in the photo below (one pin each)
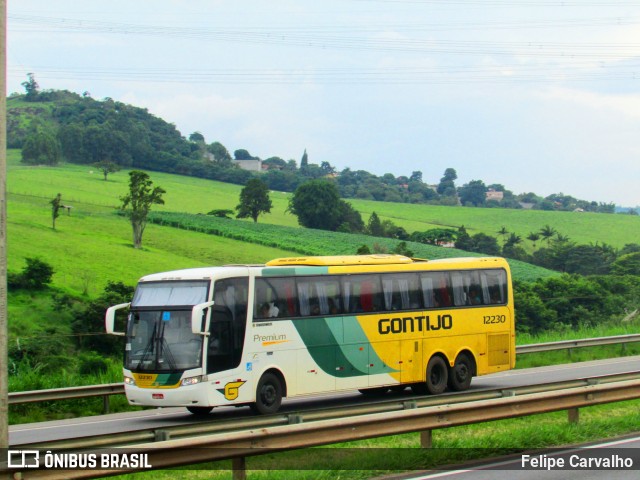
(31, 88)
(401, 249)
(513, 240)
(35, 276)
(71, 138)
(137, 203)
(363, 250)
(107, 167)
(317, 204)
(89, 318)
(435, 236)
(196, 137)
(254, 200)
(219, 152)
(56, 204)
(274, 163)
(503, 232)
(447, 187)
(327, 168)
(485, 244)
(374, 226)
(480, 242)
(628, 264)
(242, 154)
(350, 219)
(547, 232)
(533, 237)
(474, 192)
(391, 230)
(304, 161)
(416, 176)
(220, 213)
(41, 148)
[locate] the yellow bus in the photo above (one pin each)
(254, 334)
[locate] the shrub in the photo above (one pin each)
(35, 276)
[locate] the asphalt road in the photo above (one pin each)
(159, 418)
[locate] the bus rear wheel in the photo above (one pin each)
(437, 375)
(461, 373)
(200, 410)
(268, 394)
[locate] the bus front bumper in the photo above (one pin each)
(183, 396)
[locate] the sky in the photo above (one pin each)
(540, 96)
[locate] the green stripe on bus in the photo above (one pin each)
(344, 358)
(167, 379)
(293, 271)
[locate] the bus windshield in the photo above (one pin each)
(159, 336)
(162, 341)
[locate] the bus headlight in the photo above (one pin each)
(129, 381)
(191, 380)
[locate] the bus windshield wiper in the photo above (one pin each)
(148, 349)
(165, 353)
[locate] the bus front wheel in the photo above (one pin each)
(437, 375)
(268, 394)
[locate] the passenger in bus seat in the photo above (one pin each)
(269, 310)
(333, 309)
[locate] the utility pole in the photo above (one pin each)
(4, 373)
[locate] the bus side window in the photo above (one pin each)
(319, 296)
(494, 286)
(366, 296)
(361, 293)
(436, 289)
(275, 297)
(401, 292)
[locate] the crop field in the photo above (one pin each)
(82, 183)
(613, 229)
(319, 242)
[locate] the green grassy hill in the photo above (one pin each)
(80, 183)
(92, 245)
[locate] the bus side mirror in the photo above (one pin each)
(110, 318)
(196, 318)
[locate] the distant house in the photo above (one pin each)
(492, 194)
(254, 165)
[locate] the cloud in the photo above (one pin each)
(626, 104)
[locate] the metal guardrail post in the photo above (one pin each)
(573, 415)
(239, 467)
(426, 438)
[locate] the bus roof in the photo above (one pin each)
(335, 260)
(340, 264)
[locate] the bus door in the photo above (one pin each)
(228, 324)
